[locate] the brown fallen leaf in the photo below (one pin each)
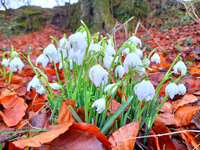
(165, 118)
(122, 139)
(165, 142)
(15, 108)
(188, 98)
(184, 115)
(153, 142)
(38, 140)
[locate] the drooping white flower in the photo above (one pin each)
(41, 90)
(61, 65)
(100, 104)
(119, 71)
(95, 48)
(135, 40)
(50, 51)
(138, 52)
(55, 86)
(64, 47)
(78, 41)
(155, 58)
(180, 66)
(146, 62)
(5, 62)
(181, 89)
(171, 90)
(109, 87)
(110, 51)
(107, 61)
(42, 59)
(15, 64)
(77, 57)
(125, 51)
(144, 90)
(98, 75)
(35, 83)
(110, 42)
(132, 60)
(14, 54)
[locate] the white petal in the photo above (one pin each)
(180, 66)
(55, 86)
(100, 104)
(155, 58)
(181, 89)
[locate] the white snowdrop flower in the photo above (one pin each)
(77, 57)
(41, 90)
(119, 71)
(116, 60)
(5, 62)
(107, 61)
(50, 51)
(64, 47)
(144, 90)
(132, 60)
(171, 90)
(98, 75)
(109, 87)
(146, 62)
(55, 86)
(61, 65)
(135, 40)
(181, 89)
(35, 83)
(100, 104)
(140, 70)
(110, 51)
(42, 59)
(110, 42)
(155, 58)
(15, 64)
(138, 52)
(95, 48)
(180, 66)
(78, 41)
(14, 54)
(125, 51)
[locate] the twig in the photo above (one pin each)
(157, 135)
(10, 137)
(137, 26)
(152, 37)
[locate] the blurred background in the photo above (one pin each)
(25, 16)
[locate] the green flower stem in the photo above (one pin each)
(96, 120)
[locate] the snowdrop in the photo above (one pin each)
(5, 62)
(98, 75)
(171, 90)
(42, 59)
(146, 62)
(50, 51)
(35, 83)
(135, 40)
(95, 48)
(180, 66)
(110, 51)
(119, 71)
(14, 54)
(138, 52)
(132, 60)
(107, 61)
(125, 51)
(41, 90)
(155, 58)
(109, 87)
(100, 104)
(78, 41)
(15, 64)
(181, 89)
(144, 90)
(77, 57)
(55, 86)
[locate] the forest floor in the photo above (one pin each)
(178, 115)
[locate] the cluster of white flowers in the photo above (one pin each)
(15, 64)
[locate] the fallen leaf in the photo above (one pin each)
(15, 108)
(165, 142)
(153, 142)
(123, 138)
(188, 98)
(37, 104)
(165, 118)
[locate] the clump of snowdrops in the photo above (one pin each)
(95, 73)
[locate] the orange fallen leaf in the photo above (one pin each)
(38, 140)
(15, 108)
(37, 104)
(122, 139)
(153, 142)
(184, 115)
(165, 118)
(188, 98)
(165, 142)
